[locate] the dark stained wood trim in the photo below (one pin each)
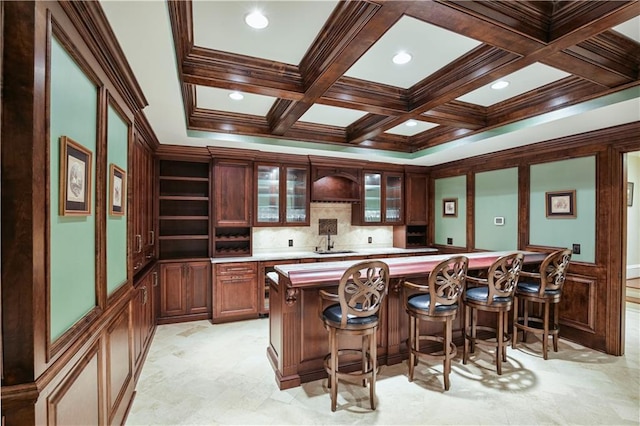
(524, 189)
(471, 213)
(147, 135)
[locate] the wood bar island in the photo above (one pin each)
(298, 341)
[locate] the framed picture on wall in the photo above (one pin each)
(118, 190)
(75, 178)
(561, 204)
(629, 194)
(450, 207)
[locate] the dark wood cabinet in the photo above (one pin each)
(143, 317)
(142, 208)
(281, 195)
(237, 293)
(335, 183)
(414, 234)
(382, 201)
(184, 209)
(232, 208)
(185, 291)
(232, 183)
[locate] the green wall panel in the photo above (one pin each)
(451, 227)
(72, 243)
(117, 143)
(496, 196)
(578, 174)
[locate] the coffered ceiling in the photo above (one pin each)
(320, 78)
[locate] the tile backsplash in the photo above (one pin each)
(306, 238)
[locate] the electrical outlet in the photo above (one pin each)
(576, 249)
(449, 241)
(369, 240)
(290, 243)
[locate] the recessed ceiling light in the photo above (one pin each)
(401, 58)
(236, 96)
(499, 85)
(411, 123)
(256, 20)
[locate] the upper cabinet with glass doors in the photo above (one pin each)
(282, 195)
(382, 200)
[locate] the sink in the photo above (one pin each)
(334, 252)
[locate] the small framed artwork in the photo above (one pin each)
(450, 207)
(75, 178)
(629, 194)
(118, 190)
(561, 204)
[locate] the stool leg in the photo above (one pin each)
(374, 368)
(465, 330)
(474, 322)
(365, 362)
(499, 342)
(545, 332)
(412, 356)
(514, 338)
(505, 317)
(447, 351)
(334, 369)
(526, 320)
(556, 313)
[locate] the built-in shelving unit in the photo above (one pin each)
(410, 236)
(183, 209)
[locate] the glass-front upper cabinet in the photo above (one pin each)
(268, 194)
(282, 195)
(383, 200)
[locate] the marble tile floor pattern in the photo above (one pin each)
(202, 374)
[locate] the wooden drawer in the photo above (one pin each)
(239, 268)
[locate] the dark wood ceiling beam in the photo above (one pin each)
(239, 72)
(375, 98)
(608, 59)
(344, 49)
(580, 20)
(457, 114)
(437, 136)
(473, 70)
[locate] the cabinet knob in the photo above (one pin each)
(155, 279)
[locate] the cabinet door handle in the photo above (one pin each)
(153, 238)
(138, 243)
(144, 296)
(155, 279)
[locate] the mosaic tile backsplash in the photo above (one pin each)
(306, 238)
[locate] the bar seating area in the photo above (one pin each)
(493, 294)
(437, 301)
(543, 290)
(354, 312)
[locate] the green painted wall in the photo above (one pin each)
(117, 143)
(496, 196)
(578, 174)
(72, 245)
(451, 227)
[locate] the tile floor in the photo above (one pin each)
(202, 374)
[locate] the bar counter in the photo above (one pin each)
(298, 341)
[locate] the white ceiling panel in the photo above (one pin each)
(332, 116)
(631, 28)
(218, 99)
(407, 130)
(431, 48)
(293, 26)
(521, 81)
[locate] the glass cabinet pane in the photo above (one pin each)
(268, 198)
(372, 197)
(393, 199)
(296, 209)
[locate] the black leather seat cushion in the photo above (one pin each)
(534, 287)
(422, 302)
(481, 294)
(334, 314)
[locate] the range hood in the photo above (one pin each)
(336, 189)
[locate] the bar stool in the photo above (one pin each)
(494, 294)
(542, 289)
(436, 301)
(361, 291)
